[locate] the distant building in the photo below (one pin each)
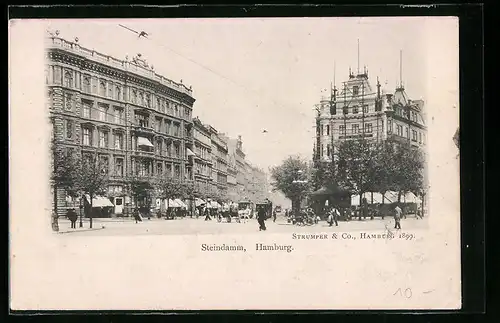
(358, 111)
(203, 159)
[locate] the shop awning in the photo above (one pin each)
(180, 203)
(199, 202)
(189, 152)
(142, 141)
(100, 201)
(173, 203)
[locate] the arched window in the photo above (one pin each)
(134, 96)
(176, 111)
(141, 98)
(86, 84)
(110, 90)
(68, 79)
(118, 93)
(102, 88)
(158, 104)
(148, 100)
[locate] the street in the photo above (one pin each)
(155, 226)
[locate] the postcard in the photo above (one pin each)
(234, 164)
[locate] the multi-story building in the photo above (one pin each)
(219, 163)
(203, 158)
(137, 121)
(359, 111)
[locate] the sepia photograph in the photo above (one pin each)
(219, 146)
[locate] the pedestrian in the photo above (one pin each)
(333, 216)
(72, 216)
(274, 215)
(207, 214)
(137, 215)
(261, 217)
(397, 217)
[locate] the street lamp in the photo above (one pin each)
(81, 212)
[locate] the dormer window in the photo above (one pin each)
(355, 90)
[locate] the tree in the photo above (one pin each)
(383, 168)
(92, 177)
(140, 189)
(356, 166)
(292, 178)
(170, 188)
(63, 176)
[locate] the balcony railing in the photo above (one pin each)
(56, 42)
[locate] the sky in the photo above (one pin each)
(251, 75)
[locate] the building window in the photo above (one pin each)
(119, 115)
(414, 135)
(87, 138)
(134, 97)
(102, 88)
(110, 90)
(68, 79)
(365, 108)
(94, 85)
(57, 75)
(148, 100)
(69, 129)
(86, 110)
(420, 137)
(177, 171)
(342, 130)
(321, 151)
(399, 130)
(407, 132)
(355, 90)
(104, 164)
(159, 122)
(355, 109)
(158, 104)
(176, 111)
(159, 168)
(177, 151)
(103, 139)
(118, 93)
(118, 141)
(368, 127)
(86, 84)
(327, 130)
(119, 166)
(68, 101)
(141, 98)
(103, 111)
(321, 129)
(159, 147)
(328, 150)
(345, 110)
(142, 120)
(355, 128)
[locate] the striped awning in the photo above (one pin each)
(142, 141)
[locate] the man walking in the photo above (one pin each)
(397, 217)
(261, 217)
(333, 216)
(274, 215)
(72, 216)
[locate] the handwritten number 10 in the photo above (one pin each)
(407, 293)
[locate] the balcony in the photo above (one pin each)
(144, 129)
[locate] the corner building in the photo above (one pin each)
(137, 121)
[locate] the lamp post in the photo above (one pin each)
(298, 181)
(81, 212)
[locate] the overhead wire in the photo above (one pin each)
(214, 71)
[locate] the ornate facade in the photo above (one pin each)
(137, 121)
(360, 111)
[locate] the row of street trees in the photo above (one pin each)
(360, 166)
(86, 174)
